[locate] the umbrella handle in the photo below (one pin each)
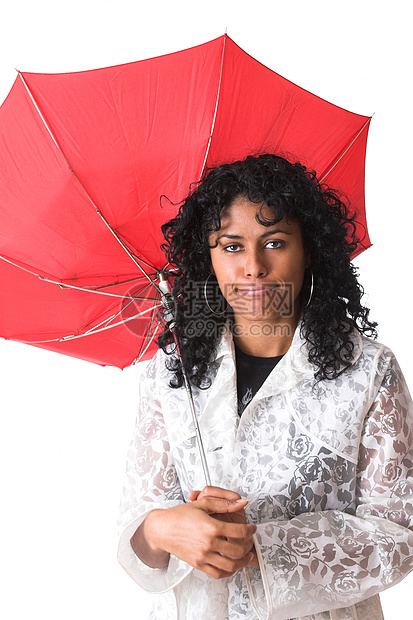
(168, 303)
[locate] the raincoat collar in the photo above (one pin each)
(296, 358)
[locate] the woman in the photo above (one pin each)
(306, 421)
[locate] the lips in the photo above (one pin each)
(253, 291)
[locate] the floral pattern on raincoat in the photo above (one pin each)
(327, 468)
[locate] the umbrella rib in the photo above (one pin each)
(82, 288)
(346, 151)
(216, 108)
(97, 288)
(92, 331)
(149, 342)
(114, 316)
(119, 240)
(143, 351)
(101, 329)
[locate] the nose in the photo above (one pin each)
(254, 265)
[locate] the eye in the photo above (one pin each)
(233, 247)
(274, 244)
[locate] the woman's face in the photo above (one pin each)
(260, 269)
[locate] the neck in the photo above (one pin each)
(264, 339)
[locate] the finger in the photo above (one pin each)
(211, 491)
(237, 531)
(193, 495)
(231, 517)
(221, 505)
(217, 529)
(213, 571)
(254, 560)
(235, 548)
(227, 564)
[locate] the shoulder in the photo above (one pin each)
(366, 354)
(375, 354)
(380, 368)
(372, 351)
(371, 362)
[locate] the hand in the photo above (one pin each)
(233, 517)
(192, 533)
(210, 491)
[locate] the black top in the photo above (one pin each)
(251, 374)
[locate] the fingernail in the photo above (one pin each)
(238, 501)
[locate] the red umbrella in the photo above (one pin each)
(86, 157)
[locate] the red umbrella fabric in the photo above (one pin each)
(86, 157)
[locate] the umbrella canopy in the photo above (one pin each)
(86, 157)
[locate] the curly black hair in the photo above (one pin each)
(328, 229)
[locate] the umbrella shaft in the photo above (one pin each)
(168, 303)
(194, 418)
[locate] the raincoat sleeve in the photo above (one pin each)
(150, 482)
(332, 559)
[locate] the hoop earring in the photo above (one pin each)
(311, 289)
(206, 298)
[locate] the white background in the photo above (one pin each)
(66, 424)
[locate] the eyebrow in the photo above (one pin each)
(266, 234)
